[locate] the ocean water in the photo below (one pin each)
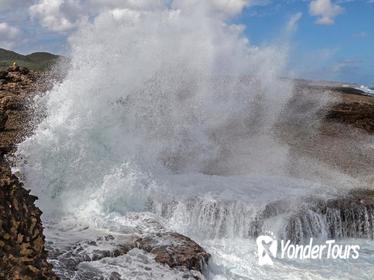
(163, 122)
(367, 90)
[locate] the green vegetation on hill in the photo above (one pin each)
(38, 61)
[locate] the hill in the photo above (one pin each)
(38, 61)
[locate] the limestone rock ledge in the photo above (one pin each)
(174, 250)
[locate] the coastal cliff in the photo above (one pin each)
(22, 251)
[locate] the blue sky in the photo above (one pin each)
(329, 39)
(343, 50)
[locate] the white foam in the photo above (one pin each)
(149, 94)
(366, 90)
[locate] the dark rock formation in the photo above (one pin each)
(70, 257)
(22, 252)
(348, 90)
(171, 250)
(3, 120)
(3, 75)
(357, 114)
(175, 250)
(330, 126)
(350, 216)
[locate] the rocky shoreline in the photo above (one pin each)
(22, 252)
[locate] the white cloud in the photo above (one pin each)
(293, 22)
(325, 10)
(130, 4)
(9, 35)
(64, 15)
(57, 15)
(6, 5)
(225, 7)
(230, 7)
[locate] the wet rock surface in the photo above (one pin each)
(69, 258)
(351, 216)
(144, 257)
(22, 251)
(332, 126)
(354, 112)
(348, 216)
(175, 250)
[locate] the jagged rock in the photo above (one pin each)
(11, 102)
(3, 119)
(24, 70)
(88, 251)
(357, 114)
(14, 68)
(19, 80)
(350, 216)
(174, 250)
(3, 74)
(21, 240)
(22, 252)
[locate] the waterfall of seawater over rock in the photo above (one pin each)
(164, 122)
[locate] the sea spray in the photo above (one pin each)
(168, 90)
